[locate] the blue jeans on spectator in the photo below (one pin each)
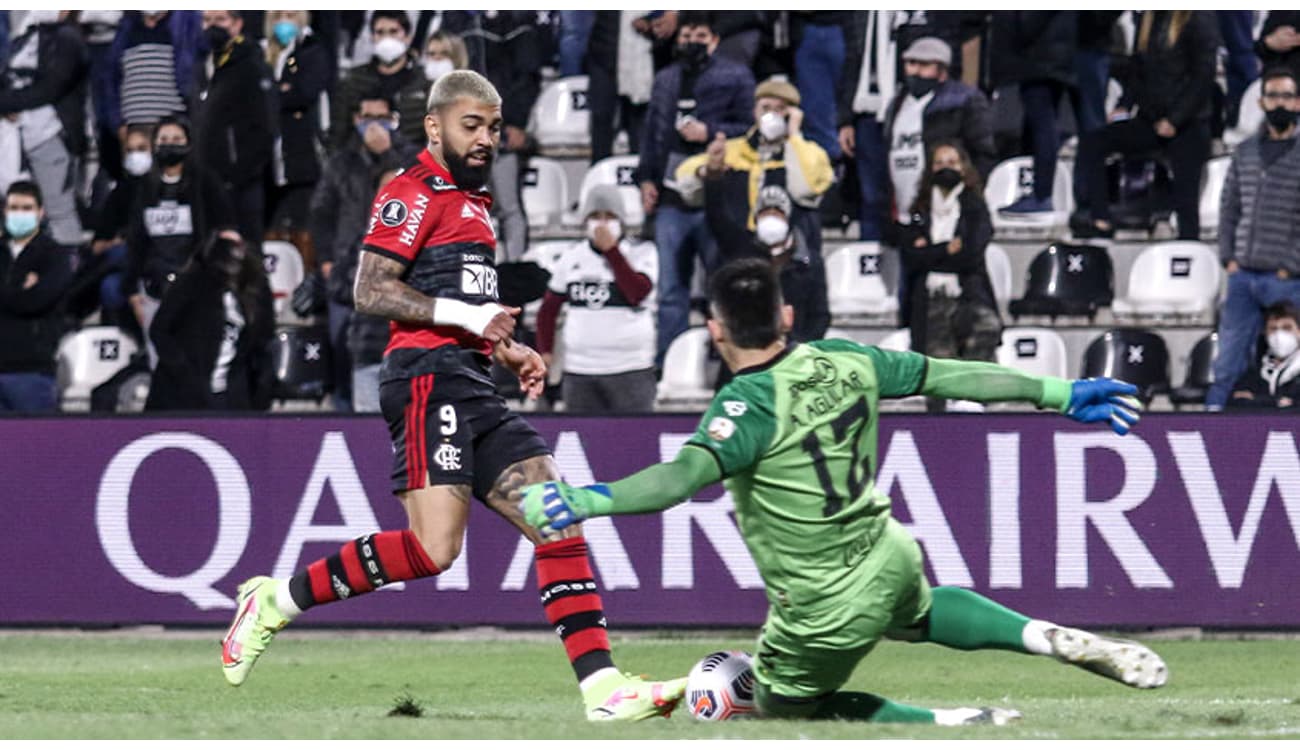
(28, 392)
(1249, 292)
(111, 294)
(1092, 71)
(680, 236)
(817, 65)
(1240, 66)
(575, 30)
(872, 162)
(1039, 99)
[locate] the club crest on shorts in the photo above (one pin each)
(447, 457)
(393, 213)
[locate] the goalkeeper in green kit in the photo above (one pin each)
(794, 438)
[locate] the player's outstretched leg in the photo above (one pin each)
(572, 604)
(965, 620)
(850, 706)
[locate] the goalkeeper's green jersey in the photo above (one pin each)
(795, 439)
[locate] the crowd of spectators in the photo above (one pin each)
(148, 155)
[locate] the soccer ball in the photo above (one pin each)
(721, 686)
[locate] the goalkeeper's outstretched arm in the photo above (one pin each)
(986, 382)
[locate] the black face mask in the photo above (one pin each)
(217, 38)
(947, 178)
(693, 54)
(465, 176)
(1280, 118)
(170, 154)
(919, 87)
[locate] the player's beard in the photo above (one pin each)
(465, 175)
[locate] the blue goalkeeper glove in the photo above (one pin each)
(1104, 400)
(551, 507)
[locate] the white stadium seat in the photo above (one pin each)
(1013, 179)
(686, 382)
(86, 359)
(546, 193)
(855, 285)
(560, 120)
(1037, 351)
(998, 264)
(1249, 118)
(1216, 172)
(898, 341)
(1171, 279)
(284, 271)
(619, 171)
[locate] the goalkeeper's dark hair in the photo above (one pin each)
(746, 296)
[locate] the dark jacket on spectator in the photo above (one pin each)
(31, 319)
(1096, 27)
(184, 27)
(366, 82)
(305, 75)
(61, 81)
(1034, 45)
(1282, 381)
(341, 202)
(724, 101)
(506, 49)
(367, 335)
(234, 124)
(957, 112)
(188, 330)
(1259, 226)
(1175, 82)
(154, 252)
(1267, 57)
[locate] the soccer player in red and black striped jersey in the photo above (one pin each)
(428, 265)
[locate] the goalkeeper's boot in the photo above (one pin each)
(620, 697)
(1128, 662)
(256, 622)
(961, 717)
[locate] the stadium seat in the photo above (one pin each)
(301, 357)
(855, 285)
(1200, 372)
(998, 264)
(1216, 172)
(619, 171)
(1037, 351)
(560, 120)
(546, 193)
(1250, 117)
(284, 271)
(1134, 355)
(1013, 179)
(688, 377)
(1171, 280)
(897, 341)
(88, 358)
(1067, 279)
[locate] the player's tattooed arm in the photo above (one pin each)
(379, 290)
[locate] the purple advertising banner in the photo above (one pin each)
(1192, 520)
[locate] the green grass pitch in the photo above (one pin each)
(314, 685)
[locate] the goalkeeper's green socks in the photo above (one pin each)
(965, 620)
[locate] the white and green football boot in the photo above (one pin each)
(622, 697)
(1128, 662)
(256, 622)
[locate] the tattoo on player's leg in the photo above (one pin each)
(508, 492)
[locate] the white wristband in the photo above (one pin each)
(473, 318)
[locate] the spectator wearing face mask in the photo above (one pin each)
(953, 313)
(1258, 226)
(693, 100)
(394, 73)
(773, 152)
(606, 281)
(1276, 384)
(443, 53)
(214, 333)
(300, 68)
(234, 118)
(108, 248)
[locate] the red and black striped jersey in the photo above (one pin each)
(444, 237)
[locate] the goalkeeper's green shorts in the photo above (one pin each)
(809, 654)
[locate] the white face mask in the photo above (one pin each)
(389, 49)
(772, 231)
(1283, 343)
(772, 127)
(137, 163)
(614, 226)
(435, 69)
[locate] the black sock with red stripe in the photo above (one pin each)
(362, 566)
(572, 604)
